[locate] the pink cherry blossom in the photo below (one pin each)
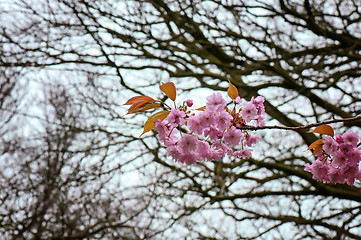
(216, 154)
(354, 156)
(250, 140)
(171, 140)
(162, 129)
(175, 117)
(238, 100)
(350, 171)
(188, 143)
(249, 111)
(194, 125)
(188, 158)
(173, 152)
(223, 147)
(329, 145)
(351, 138)
(319, 171)
(207, 119)
(189, 102)
(233, 136)
(340, 157)
(336, 176)
(244, 153)
(259, 121)
(339, 139)
(346, 148)
(215, 124)
(215, 102)
(337, 162)
(223, 119)
(321, 156)
(204, 149)
(213, 133)
(258, 103)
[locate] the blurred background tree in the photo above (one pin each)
(73, 167)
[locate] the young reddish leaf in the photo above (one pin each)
(169, 90)
(145, 107)
(138, 104)
(317, 149)
(149, 124)
(136, 99)
(232, 91)
(315, 144)
(323, 129)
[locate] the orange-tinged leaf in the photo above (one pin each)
(169, 90)
(145, 107)
(324, 129)
(138, 104)
(149, 124)
(201, 108)
(232, 91)
(136, 99)
(317, 149)
(315, 144)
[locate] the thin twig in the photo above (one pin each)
(301, 127)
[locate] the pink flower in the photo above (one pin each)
(216, 154)
(339, 139)
(213, 133)
(171, 140)
(319, 171)
(188, 143)
(350, 172)
(336, 176)
(250, 140)
(329, 145)
(259, 121)
(351, 138)
(346, 148)
(188, 158)
(162, 129)
(308, 168)
(176, 117)
(194, 125)
(204, 149)
(233, 136)
(237, 100)
(173, 152)
(249, 111)
(223, 120)
(339, 159)
(322, 157)
(207, 119)
(189, 102)
(258, 102)
(354, 157)
(215, 102)
(244, 153)
(185, 151)
(223, 147)
(166, 133)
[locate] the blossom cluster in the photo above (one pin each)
(212, 133)
(338, 161)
